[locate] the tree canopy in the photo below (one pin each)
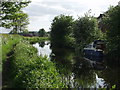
(86, 30)
(42, 32)
(13, 17)
(112, 22)
(61, 31)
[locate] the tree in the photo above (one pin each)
(13, 17)
(42, 33)
(86, 30)
(20, 22)
(61, 31)
(112, 22)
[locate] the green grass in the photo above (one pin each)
(36, 39)
(8, 41)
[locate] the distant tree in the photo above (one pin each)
(13, 17)
(61, 31)
(48, 33)
(86, 30)
(42, 44)
(112, 22)
(42, 33)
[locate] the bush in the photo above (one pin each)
(112, 22)
(31, 71)
(86, 31)
(61, 29)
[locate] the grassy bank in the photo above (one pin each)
(8, 41)
(31, 71)
(33, 40)
(26, 69)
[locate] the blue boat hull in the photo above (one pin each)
(93, 55)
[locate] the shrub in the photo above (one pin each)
(31, 71)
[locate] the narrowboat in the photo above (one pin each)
(95, 51)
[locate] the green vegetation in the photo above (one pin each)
(33, 40)
(67, 64)
(31, 71)
(8, 41)
(42, 33)
(112, 23)
(69, 33)
(26, 69)
(62, 32)
(86, 30)
(13, 17)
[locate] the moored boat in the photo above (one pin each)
(95, 51)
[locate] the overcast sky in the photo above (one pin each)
(42, 12)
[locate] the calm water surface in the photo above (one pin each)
(77, 72)
(43, 48)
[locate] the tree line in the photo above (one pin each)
(111, 23)
(71, 33)
(67, 32)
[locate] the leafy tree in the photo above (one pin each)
(48, 33)
(61, 31)
(112, 22)
(13, 17)
(42, 32)
(20, 22)
(86, 30)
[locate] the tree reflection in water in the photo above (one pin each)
(75, 71)
(112, 73)
(42, 44)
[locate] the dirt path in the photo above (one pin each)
(6, 70)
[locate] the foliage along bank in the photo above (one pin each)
(70, 33)
(86, 31)
(32, 71)
(33, 40)
(111, 23)
(27, 70)
(62, 32)
(8, 41)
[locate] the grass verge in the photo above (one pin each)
(32, 71)
(33, 40)
(24, 69)
(8, 41)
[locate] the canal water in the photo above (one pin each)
(77, 72)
